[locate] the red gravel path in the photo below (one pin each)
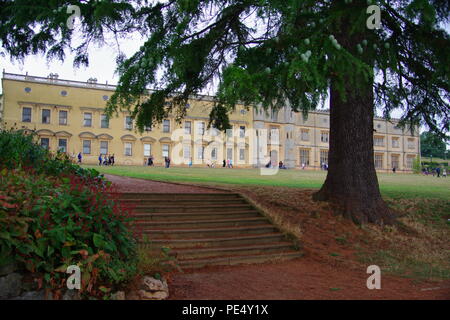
(305, 278)
(125, 184)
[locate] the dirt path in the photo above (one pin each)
(125, 184)
(302, 279)
(310, 277)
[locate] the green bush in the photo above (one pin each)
(54, 214)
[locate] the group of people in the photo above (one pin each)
(435, 172)
(281, 165)
(149, 161)
(227, 163)
(107, 160)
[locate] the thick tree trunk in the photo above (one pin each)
(351, 182)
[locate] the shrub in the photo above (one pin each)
(54, 214)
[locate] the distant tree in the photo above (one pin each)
(432, 145)
(269, 53)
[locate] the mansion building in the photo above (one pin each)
(69, 116)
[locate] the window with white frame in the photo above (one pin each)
(187, 127)
(128, 148)
(395, 142)
(86, 146)
(410, 143)
(304, 157)
(324, 136)
(46, 116)
(187, 151)
(214, 154)
(200, 152)
(323, 157)
(242, 132)
(87, 120)
(147, 149)
(128, 123)
(62, 145)
(410, 161)
(378, 141)
(165, 150)
(201, 128)
(395, 161)
(304, 135)
(103, 147)
(104, 121)
(241, 154)
(378, 161)
(62, 117)
(45, 143)
(166, 126)
(26, 114)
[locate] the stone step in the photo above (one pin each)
(175, 216)
(196, 253)
(208, 232)
(182, 203)
(197, 223)
(191, 208)
(215, 241)
(239, 259)
(178, 196)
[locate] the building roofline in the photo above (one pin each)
(112, 87)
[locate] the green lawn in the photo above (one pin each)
(392, 185)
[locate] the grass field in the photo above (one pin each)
(391, 185)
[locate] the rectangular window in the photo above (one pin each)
(395, 142)
(274, 135)
(45, 143)
(305, 135)
(103, 147)
(148, 128)
(147, 150)
(104, 121)
(62, 145)
(128, 148)
(230, 132)
(62, 117)
(87, 146)
(187, 152)
(324, 136)
(323, 157)
(165, 150)
(242, 154)
(166, 126)
(187, 127)
(128, 123)
(378, 141)
(304, 157)
(378, 161)
(200, 152)
(26, 115)
(87, 120)
(229, 153)
(242, 132)
(45, 116)
(395, 161)
(214, 154)
(201, 128)
(410, 143)
(409, 162)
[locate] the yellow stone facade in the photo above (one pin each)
(69, 115)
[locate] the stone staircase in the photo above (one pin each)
(205, 229)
